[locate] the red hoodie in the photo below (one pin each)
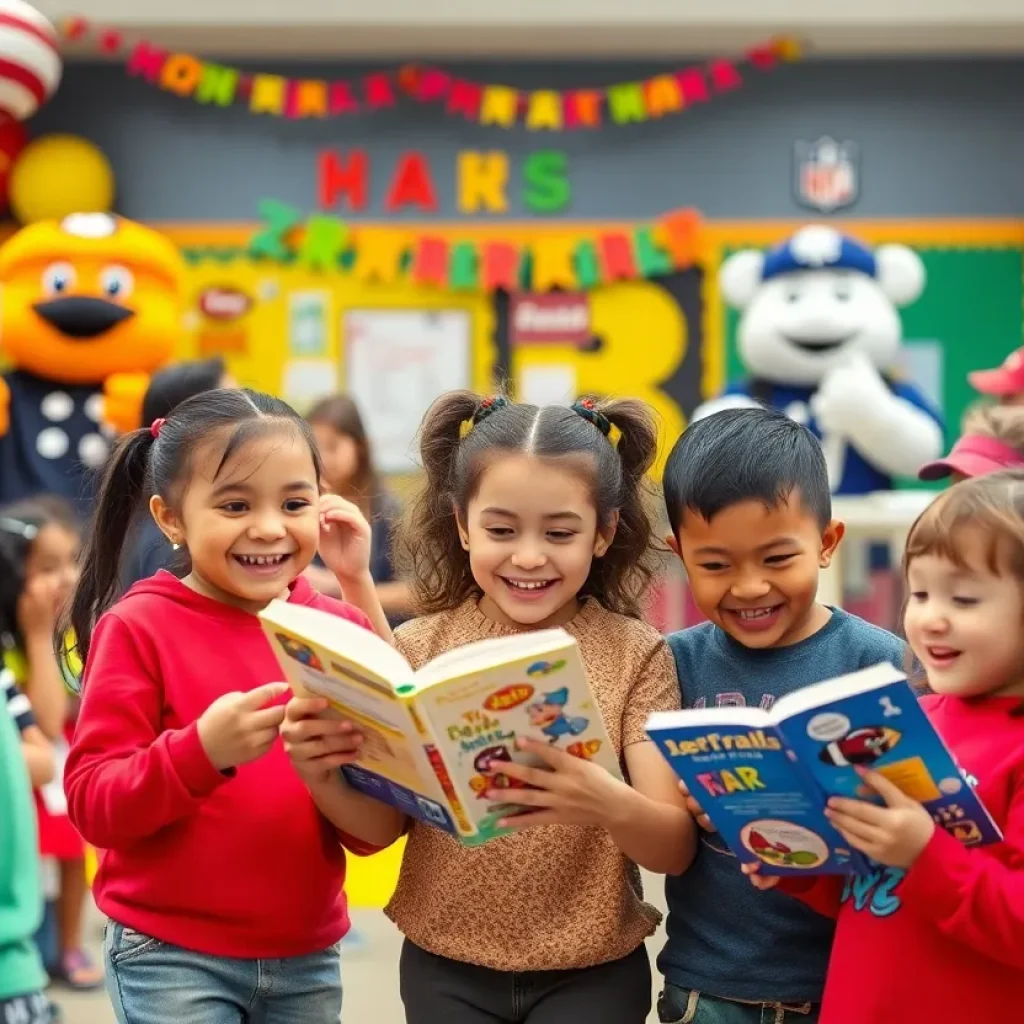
(944, 940)
(242, 866)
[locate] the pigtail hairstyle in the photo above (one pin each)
(427, 547)
(157, 459)
(611, 443)
(119, 497)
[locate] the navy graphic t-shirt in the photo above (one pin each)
(725, 937)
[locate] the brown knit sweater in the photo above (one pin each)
(550, 897)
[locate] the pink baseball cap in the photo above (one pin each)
(1007, 380)
(974, 455)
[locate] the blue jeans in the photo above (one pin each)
(687, 1006)
(153, 982)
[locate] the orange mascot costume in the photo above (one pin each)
(91, 306)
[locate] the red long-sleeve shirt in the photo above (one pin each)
(242, 866)
(946, 938)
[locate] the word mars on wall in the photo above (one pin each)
(482, 182)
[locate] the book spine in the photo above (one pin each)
(440, 770)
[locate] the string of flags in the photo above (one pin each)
(554, 110)
(386, 255)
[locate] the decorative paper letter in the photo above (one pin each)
(379, 255)
(279, 218)
(379, 91)
(430, 261)
(546, 180)
(181, 74)
(583, 109)
(465, 99)
(764, 58)
(587, 270)
(679, 233)
(463, 269)
(308, 99)
(268, 94)
(218, 85)
(724, 76)
(626, 103)
(433, 85)
(411, 185)
(323, 243)
(663, 96)
(343, 179)
(553, 264)
(650, 260)
(499, 106)
(481, 182)
(341, 99)
(146, 61)
(695, 88)
(499, 266)
(544, 111)
(616, 254)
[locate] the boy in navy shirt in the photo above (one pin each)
(751, 515)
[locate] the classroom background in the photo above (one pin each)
(620, 153)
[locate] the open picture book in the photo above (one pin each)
(764, 777)
(435, 739)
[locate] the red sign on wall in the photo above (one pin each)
(549, 318)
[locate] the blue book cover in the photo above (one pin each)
(764, 777)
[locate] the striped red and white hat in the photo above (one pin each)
(30, 64)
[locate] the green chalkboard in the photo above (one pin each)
(973, 306)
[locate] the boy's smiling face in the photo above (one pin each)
(753, 570)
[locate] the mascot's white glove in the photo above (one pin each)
(855, 403)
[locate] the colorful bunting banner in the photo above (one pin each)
(540, 110)
(569, 260)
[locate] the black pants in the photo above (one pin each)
(436, 990)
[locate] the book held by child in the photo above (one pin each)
(764, 777)
(435, 739)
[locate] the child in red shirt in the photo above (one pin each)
(221, 869)
(937, 923)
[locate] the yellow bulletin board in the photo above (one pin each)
(648, 336)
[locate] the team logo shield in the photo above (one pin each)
(827, 176)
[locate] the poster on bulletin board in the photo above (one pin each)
(398, 361)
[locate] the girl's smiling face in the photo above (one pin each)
(252, 527)
(532, 533)
(964, 621)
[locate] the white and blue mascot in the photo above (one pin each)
(820, 337)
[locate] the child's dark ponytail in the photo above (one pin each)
(624, 575)
(119, 500)
(428, 550)
(462, 429)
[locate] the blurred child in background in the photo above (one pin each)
(21, 972)
(991, 439)
(38, 569)
(349, 472)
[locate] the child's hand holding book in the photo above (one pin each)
(894, 835)
(568, 790)
(696, 811)
(317, 745)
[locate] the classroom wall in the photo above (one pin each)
(937, 138)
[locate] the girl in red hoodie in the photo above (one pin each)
(936, 931)
(221, 874)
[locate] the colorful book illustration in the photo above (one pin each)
(436, 739)
(764, 777)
